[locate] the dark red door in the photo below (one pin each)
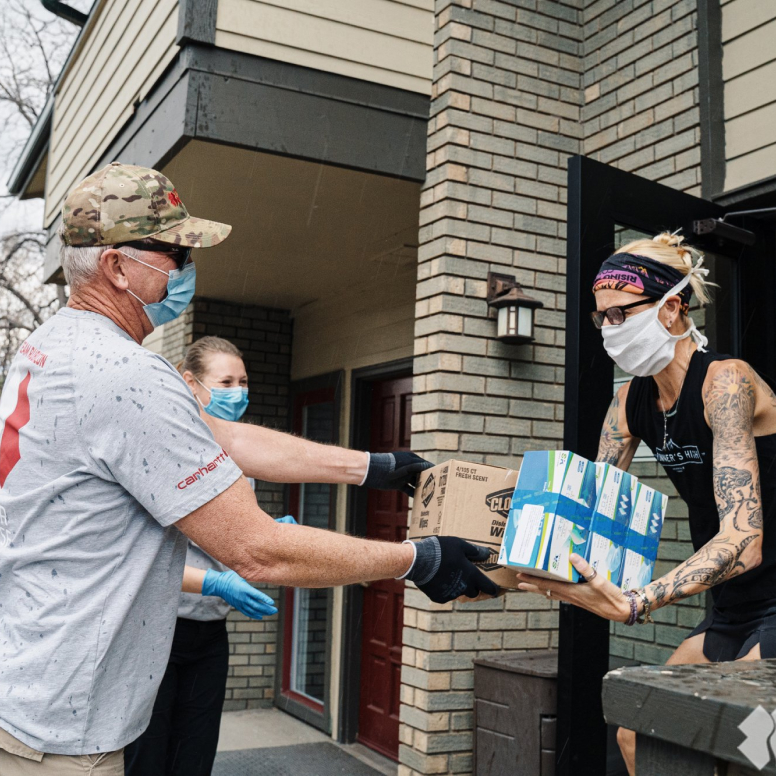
(383, 613)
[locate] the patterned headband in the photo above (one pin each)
(641, 275)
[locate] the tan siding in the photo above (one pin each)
(749, 73)
(752, 167)
(384, 41)
(751, 131)
(750, 51)
(741, 16)
(750, 91)
(130, 45)
(365, 324)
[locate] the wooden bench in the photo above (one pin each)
(687, 717)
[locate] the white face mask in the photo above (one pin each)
(642, 346)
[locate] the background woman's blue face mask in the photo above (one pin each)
(226, 403)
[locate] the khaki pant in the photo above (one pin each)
(17, 759)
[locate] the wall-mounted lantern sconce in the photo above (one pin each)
(514, 307)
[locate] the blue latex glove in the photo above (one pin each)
(287, 519)
(230, 586)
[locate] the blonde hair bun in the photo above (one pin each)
(669, 248)
(671, 239)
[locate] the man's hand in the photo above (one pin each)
(444, 569)
(395, 471)
(599, 595)
(238, 593)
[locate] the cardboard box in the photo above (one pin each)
(550, 514)
(468, 500)
(615, 495)
(649, 512)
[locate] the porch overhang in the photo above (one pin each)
(258, 104)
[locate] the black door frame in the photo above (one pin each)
(353, 595)
(600, 196)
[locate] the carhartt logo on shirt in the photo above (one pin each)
(203, 470)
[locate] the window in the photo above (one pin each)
(307, 612)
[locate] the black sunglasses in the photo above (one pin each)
(616, 315)
(180, 254)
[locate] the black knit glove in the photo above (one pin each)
(395, 471)
(444, 569)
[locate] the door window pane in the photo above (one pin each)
(310, 615)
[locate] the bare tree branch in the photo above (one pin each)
(34, 45)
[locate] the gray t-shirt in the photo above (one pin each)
(102, 450)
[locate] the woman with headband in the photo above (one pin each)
(710, 420)
(182, 737)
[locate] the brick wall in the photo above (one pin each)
(641, 114)
(505, 116)
(264, 337)
(520, 85)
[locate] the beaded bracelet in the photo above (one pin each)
(634, 607)
(642, 594)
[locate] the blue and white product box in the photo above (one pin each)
(550, 514)
(649, 512)
(615, 495)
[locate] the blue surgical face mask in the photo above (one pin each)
(225, 403)
(180, 292)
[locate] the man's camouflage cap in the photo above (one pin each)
(122, 203)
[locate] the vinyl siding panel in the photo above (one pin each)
(751, 167)
(749, 74)
(749, 52)
(367, 323)
(742, 16)
(751, 131)
(128, 48)
(384, 41)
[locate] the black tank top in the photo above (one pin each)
(688, 459)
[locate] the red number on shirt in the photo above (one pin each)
(9, 443)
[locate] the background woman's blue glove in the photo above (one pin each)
(230, 586)
(286, 519)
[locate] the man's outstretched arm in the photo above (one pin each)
(233, 529)
(275, 456)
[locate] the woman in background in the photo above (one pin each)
(182, 736)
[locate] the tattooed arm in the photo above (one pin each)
(729, 397)
(616, 445)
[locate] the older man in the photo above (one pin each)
(106, 467)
